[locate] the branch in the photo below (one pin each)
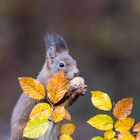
(53, 131)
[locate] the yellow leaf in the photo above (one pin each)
(123, 108)
(65, 137)
(36, 128)
(97, 138)
(58, 114)
(109, 134)
(101, 122)
(67, 116)
(41, 110)
(32, 88)
(101, 100)
(124, 124)
(57, 87)
(67, 129)
(125, 136)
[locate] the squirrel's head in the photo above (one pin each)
(58, 57)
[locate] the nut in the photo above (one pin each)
(77, 82)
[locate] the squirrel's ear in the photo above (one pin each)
(51, 54)
(57, 42)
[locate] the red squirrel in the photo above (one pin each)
(57, 58)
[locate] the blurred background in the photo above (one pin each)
(103, 36)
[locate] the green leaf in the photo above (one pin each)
(101, 122)
(36, 128)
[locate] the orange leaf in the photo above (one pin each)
(123, 108)
(137, 127)
(124, 124)
(125, 136)
(67, 116)
(58, 114)
(57, 87)
(138, 136)
(32, 87)
(67, 129)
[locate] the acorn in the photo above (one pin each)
(78, 82)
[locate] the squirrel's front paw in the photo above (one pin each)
(77, 85)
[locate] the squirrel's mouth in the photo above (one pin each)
(69, 78)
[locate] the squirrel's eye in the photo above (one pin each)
(61, 64)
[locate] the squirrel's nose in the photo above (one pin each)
(76, 73)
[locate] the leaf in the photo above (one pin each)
(97, 138)
(137, 127)
(36, 128)
(58, 114)
(65, 137)
(41, 110)
(57, 87)
(67, 115)
(125, 136)
(124, 124)
(109, 134)
(138, 136)
(101, 122)
(32, 87)
(67, 129)
(101, 100)
(123, 108)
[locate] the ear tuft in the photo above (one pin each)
(49, 39)
(55, 40)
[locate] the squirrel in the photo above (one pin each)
(57, 58)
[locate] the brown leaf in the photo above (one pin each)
(137, 127)
(57, 87)
(123, 108)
